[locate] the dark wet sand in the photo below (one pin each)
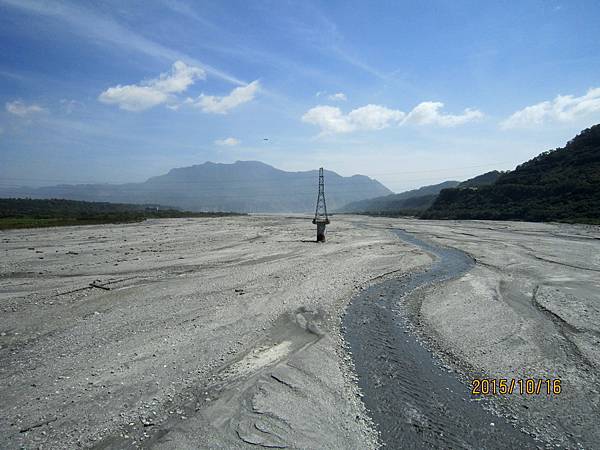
(413, 400)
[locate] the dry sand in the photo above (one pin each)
(215, 333)
(225, 332)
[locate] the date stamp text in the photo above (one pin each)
(505, 386)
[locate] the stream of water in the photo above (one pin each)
(413, 400)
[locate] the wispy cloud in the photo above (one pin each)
(351, 59)
(138, 97)
(184, 9)
(331, 120)
(227, 142)
(12, 75)
(68, 106)
(18, 108)
(313, 28)
(222, 105)
(102, 28)
(564, 108)
(335, 45)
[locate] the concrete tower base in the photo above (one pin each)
(321, 231)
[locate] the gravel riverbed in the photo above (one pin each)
(216, 332)
(225, 332)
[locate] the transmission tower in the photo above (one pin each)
(321, 218)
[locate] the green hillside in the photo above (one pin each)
(561, 184)
(481, 180)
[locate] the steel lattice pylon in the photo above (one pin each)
(321, 219)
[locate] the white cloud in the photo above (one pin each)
(340, 96)
(149, 93)
(564, 108)
(222, 105)
(179, 79)
(331, 120)
(374, 117)
(18, 108)
(370, 117)
(229, 142)
(428, 113)
(133, 97)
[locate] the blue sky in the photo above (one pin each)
(410, 93)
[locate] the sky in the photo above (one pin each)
(409, 93)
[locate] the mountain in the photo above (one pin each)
(244, 186)
(415, 199)
(561, 184)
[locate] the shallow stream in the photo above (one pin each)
(413, 399)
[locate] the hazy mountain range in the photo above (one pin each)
(244, 186)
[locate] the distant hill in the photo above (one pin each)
(416, 199)
(244, 186)
(561, 184)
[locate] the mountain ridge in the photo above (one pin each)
(242, 186)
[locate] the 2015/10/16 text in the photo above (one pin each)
(505, 386)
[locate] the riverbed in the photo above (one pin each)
(226, 332)
(414, 400)
(529, 308)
